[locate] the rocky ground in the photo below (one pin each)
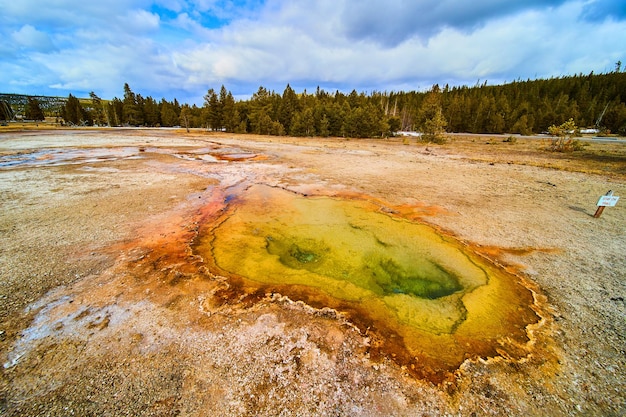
(106, 309)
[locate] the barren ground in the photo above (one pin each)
(105, 310)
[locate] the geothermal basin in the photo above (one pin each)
(154, 272)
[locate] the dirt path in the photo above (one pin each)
(105, 310)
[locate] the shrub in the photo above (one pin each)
(562, 135)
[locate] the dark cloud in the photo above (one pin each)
(600, 10)
(393, 21)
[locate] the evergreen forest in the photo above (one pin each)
(522, 107)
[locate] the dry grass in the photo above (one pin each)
(602, 158)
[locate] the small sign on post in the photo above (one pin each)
(607, 200)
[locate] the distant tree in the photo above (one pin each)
(169, 117)
(243, 112)
(521, 126)
(336, 114)
(223, 97)
(140, 109)
(261, 122)
(213, 110)
(377, 121)
(288, 107)
(455, 112)
(518, 107)
(261, 113)
(152, 115)
(303, 123)
(323, 128)
(277, 128)
(72, 111)
(615, 117)
(432, 122)
(185, 116)
(230, 113)
(196, 116)
(33, 110)
(563, 135)
(115, 112)
(133, 114)
(99, 111)
(394, 123)
(349, 123)
(355, 99)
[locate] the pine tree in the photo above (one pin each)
(288, 107)
(230, 113)
(116, 111)
(263, 105)
(169, 117)
(97, 109)
(33, 110)
(152, 115)
(432, 122)
(72, 111)
(213, 110)
(132, 111)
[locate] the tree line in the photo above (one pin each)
(524, 107)
(132, 110)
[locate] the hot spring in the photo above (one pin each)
(426, 299)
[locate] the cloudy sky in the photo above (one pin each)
(181, 48)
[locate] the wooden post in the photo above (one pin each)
(607, 200)
(599, 211)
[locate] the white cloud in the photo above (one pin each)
(66, 13)
(341, 43)
(187, 23)
(29, 37)
(106, 67)
(137, 21)
(293, 44)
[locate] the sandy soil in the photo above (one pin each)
(105, 309)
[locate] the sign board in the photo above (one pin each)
(607, 201)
